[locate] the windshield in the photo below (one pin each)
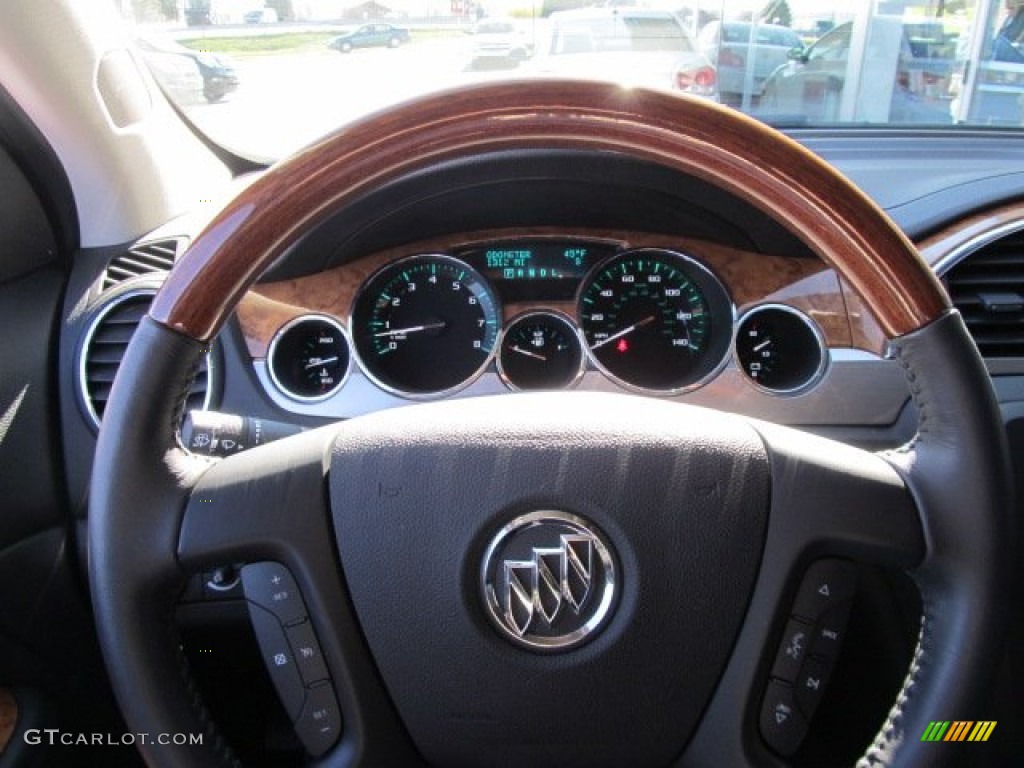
(265, 79)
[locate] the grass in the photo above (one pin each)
(292, 42)
(288, 42)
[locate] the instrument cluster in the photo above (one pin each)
(651, 320)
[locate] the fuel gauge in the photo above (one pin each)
(541, 350)
(780, 349)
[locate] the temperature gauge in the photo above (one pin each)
(541, 350)
(309, 358)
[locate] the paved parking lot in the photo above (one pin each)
(287, 100)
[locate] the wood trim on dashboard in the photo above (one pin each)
(942, 244)
(711, 142)
(806, 284)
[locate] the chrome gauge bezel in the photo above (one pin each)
(560, 317)
(294, 323)
(397, 266)
(819, 339)
(706, 274)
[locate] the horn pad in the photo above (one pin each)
(476, 536)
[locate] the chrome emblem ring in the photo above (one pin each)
(548, 580)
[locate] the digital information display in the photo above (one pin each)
(545, 270)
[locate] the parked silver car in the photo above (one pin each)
(628, 45)
(905, 81)
(745, 54)
(498, 42)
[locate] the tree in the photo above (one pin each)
(550, 6)
(777, 12)
(284, 9)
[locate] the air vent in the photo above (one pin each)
(104, 348)
(143, 259)
(988, 289)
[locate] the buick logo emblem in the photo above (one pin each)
(548, 580)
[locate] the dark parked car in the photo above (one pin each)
(261, 16)
(904, 80)
(370, 36)
(170, 63)
(736, 46)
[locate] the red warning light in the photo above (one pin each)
(622, 346)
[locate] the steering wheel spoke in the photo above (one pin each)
(267, 509)
(832, 506)
(831, 499)
(268, 503)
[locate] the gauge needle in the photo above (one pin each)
(623, 332)
(762, 345)
(411, 329)
(316, 362)
(528, 353)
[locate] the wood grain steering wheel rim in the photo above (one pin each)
(145, 487)
(714, 143)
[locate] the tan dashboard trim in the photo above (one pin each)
(713, 143)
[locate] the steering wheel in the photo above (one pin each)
(674, 537)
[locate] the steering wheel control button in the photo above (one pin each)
(793, 650)
(280, 660)
(830, 631)
(783, 727)
(271, 586)
(827, 583)
(292, 654)
(810, 685)
(808, 649)
(548, 580)
(306, 650)
(319, 725)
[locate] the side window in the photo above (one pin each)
(833, 47)
(733, 34)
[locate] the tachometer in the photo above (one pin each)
(656, 320)
(425, 325)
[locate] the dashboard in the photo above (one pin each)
(556, 271)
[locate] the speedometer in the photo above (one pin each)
(656, 320)
(425, 325)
